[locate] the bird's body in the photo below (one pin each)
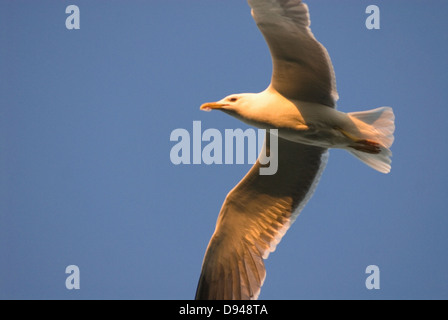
(313, 123)
(297, 121)
(300, 103)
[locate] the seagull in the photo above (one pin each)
(300, 104)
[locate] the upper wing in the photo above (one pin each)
(253, 219)
(302, 68)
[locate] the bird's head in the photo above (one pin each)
(235, 104)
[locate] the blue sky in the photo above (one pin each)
(85, 171)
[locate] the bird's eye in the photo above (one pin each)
(233, 99)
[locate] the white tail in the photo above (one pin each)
(377, 126)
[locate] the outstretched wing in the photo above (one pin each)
(302, 68)
(253, 219)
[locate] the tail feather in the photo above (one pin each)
(377, 126)
(380, 162)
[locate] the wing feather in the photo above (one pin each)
(253, 219)
(302, 68)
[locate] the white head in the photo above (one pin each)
(237, 105)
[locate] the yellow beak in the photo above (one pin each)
(211, 105)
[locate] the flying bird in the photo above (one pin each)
(300, 102)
